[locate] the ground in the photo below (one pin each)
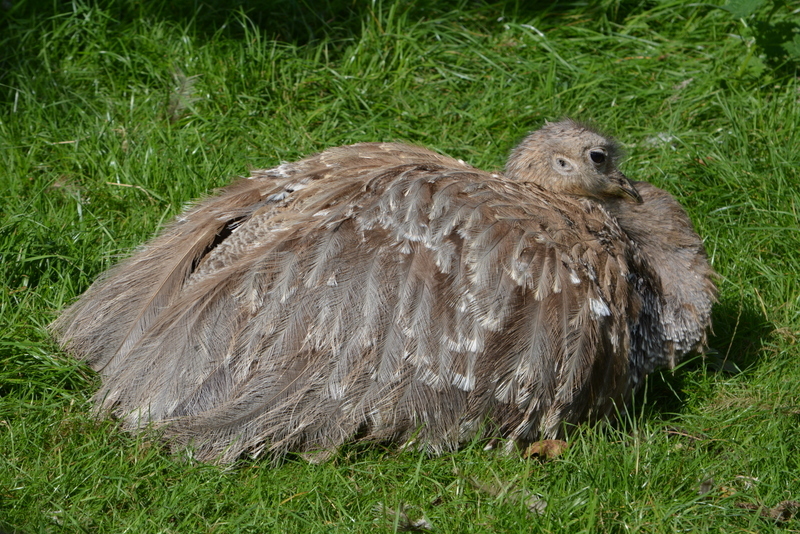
(114, 115)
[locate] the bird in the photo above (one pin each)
(385, 293)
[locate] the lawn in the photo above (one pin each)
(115, 114)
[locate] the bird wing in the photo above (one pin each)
(379, 291)
(122, 305)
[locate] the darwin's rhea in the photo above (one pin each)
(382, 291)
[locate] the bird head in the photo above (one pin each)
(569, 157)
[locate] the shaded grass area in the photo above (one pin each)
(114, 115)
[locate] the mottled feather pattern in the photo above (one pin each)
(385, 292)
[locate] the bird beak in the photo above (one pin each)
(622, 187)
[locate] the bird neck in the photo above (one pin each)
(677, 305)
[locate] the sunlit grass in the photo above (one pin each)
(114, 115)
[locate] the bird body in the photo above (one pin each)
(381, 291)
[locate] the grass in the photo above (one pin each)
(115, 114)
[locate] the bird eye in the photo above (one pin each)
(561, 162)
(597, 156)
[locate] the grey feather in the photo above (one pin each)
(381, 291)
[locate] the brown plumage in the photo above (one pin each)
(381, 291)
